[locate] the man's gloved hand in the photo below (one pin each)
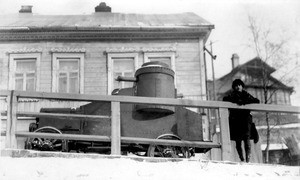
(240, 103)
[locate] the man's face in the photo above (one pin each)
(238, 88)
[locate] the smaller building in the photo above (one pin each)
(251, 73)
(282, 125)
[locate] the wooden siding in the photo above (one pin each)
(95, 63)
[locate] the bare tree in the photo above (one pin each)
(270, 47)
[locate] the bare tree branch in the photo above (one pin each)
(268, 48)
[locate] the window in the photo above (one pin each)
(123, 67)
(68, 72)
(24, 71)
(243, 77)
(165, 57)
(68, 75)
(280, 97)
(121, 64)
(259, 95)
(287, 98)
(272, 95)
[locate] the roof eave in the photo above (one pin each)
(107, 28)
(97, 33)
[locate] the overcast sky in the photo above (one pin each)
(230, 35)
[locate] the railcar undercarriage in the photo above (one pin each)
(46, 144)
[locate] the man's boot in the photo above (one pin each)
(240, 153)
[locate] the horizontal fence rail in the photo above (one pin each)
(164, 142)
(61, 115)
(115, 138)
(156, 101)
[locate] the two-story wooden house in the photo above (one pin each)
(282, 125)
(85, 53)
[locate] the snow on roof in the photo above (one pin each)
(103, 19)
(274, 146)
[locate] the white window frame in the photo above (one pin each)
(13, 58)
(171, 55)
(280, 96)
(287, 98)
(55, 69)
(110, 66)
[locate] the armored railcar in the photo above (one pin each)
(153, 79)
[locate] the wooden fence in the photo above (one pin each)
(12, 113)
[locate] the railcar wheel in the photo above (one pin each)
(45, 144)
(168, 151)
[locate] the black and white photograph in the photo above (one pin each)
(150, 89)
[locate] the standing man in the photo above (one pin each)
(240, 120)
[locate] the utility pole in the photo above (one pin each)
(213, 57)
(213, 71)
(212, 113)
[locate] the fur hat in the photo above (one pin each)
(237, 82)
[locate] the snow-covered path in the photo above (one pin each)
(119, 167)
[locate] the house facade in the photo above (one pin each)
(85, 53)
(282, 125)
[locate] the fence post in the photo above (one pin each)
(12, 105)
(1, 109)
(225, 135)
(115, 129)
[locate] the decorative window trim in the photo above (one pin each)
(160, 49)
(55, 57)
(26, 100)
(68, 50)
(110, 58)
(12, 67)
(25, 50)
(145, 50)
(122, 50)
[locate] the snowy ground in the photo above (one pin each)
(119, 167)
